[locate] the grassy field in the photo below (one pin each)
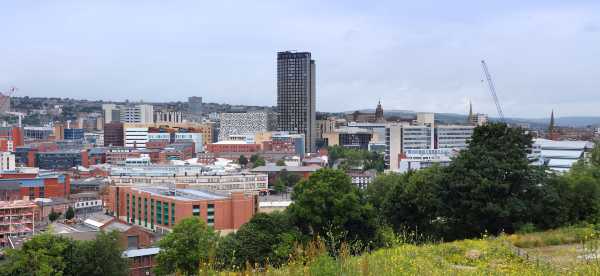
(556, 252)
(491, 256)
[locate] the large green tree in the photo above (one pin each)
(488, 185)
(328, 201)
(101, 256)
(189, 246)
(265, 238)
(50, 254)
(413, 202)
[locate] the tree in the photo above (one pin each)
(44, 254)
(191, 244)
(289, 179)
(410, 201)
(49, 254)
(70, 214)
(266, 237)
(101, 256)
(280, 162)
(488, 186)
(243, 161)
(280, 186)
(329, 202)
(53, 215)
(254, 157)
(258, 161)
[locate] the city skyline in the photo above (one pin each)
(408, 55)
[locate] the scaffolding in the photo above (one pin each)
(17, 219)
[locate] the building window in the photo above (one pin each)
(210, 214)
(158, 212)
(172, 213)
(166, 213)
(196, 210)
(145, 212)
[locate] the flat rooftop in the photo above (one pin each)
(181, 194)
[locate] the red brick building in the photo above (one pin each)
(18, 185)
(141, 261)
(161, 208)
(232, 147)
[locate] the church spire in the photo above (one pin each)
(551, 128)
(470, 117)
(379, 113)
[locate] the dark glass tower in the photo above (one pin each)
(296, 95)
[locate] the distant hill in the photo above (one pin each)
(453, 118)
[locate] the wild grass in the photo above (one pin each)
(566, 235)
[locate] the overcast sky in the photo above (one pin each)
(417, 55)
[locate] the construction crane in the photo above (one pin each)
(492, 89)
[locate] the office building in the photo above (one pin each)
(4, 103)
(349, 137)
(113, 134)
(73, 134)
(246, 123)
(163, 116)
(195, 105)
(16, 185)
(141, 113)
(38, 133)
(423, 134)
(161, 208)
(296, 95)
(453, 136)
(416, 159)
(190, 177)
(7, 162)
(61, 160)
(135, 137)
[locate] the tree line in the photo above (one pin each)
(488, 188)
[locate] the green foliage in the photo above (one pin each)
(257, 161)
(49, 254)
(488, 186)
(280, 162)
(243, 161)
(53, 216)
(266, 238)
(101, 256)
(280, 186)
(190, 244)
(329, 202)
(70, 214)
(44, 254)
(410, 201)
(289, 179)
(354, 158)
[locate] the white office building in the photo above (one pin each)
(136, 137)
(453, 136)
(7, 162)
(141, 113)
(416, 159)
(247, 124)
(423, 134)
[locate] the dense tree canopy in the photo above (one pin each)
(190, 245)
(328, 201)
(50, 254)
